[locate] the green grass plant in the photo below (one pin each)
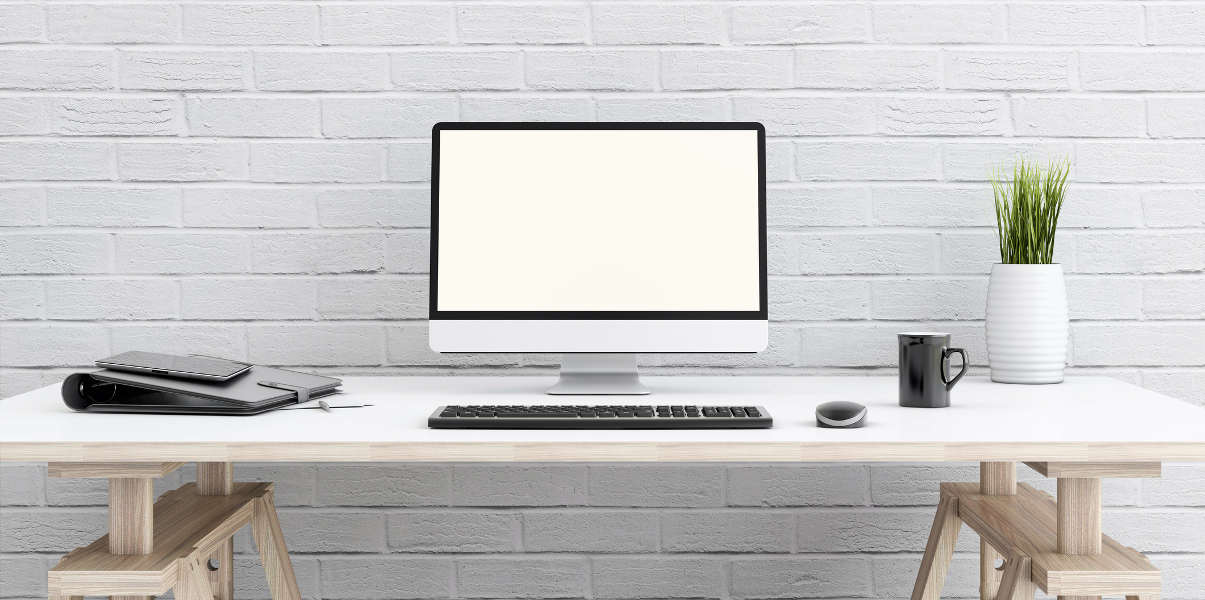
(1027, 210)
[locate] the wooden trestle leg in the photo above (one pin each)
(938, 551)
(1078, 500)
(217, 479)
(269, 539)
(995, 479)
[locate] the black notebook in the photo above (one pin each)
(258, 390)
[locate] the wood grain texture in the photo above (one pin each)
(1079, 515)
(1026, 524)
(131, 470)
(191, 583)
(269, 539)
(935, 564)
(187, 526)
(217, 479)
(995, 479)
(1098, 469)
(131, 514)
(1015, 581)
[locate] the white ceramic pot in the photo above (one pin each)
(1027, 323)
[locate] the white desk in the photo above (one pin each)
(1079, 431)
(1082, 419)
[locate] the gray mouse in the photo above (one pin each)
(840, 414)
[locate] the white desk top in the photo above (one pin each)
(1084, 419)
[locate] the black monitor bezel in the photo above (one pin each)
(638, 315)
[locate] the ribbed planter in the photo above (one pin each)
(1027, 323)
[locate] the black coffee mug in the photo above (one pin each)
(924, 369)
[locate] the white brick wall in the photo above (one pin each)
(249, 179)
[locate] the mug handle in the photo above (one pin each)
(945, 355)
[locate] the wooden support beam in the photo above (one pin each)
(995, 479)
(1015, 582)
(131, 519)
(269, 539)
(129, 470)
(1078, 526)
(1097, 469)
(217, 479)
(938, 551)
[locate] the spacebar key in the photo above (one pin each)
(571, 415)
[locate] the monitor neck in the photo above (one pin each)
(598, 374)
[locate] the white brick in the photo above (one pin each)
(182, 161)
(21, 299)
(1101, 208)
(894, 577)
(113, 23)
(799, 23)
(56, 160)
(316, 162)
(61, 344)
(24, 115)
(386, 24)
(1171, 162)
(181, 253)
(321, 71)
(21, 23)
(793, 299)
(248, 207)
(726, 68)
(666, 577)
(1176, 117)
(1080, 116)
(780, 577)
(939, 23)
(408, 345)
(409, 117)
(808, 115)
(870, 344)
(383, 484)
(317, 252)
(953, 299)
(782, 350)
(409, 162)
(184, 70)
(22, 206)
(858, 253)
(522, 23)
(448, 70)
(858, 160)
(460, 531)
(1150, 343)
(662, 108)
(943, 116)
(1174, 298)
(401, 207)
(251, 24)
(230, 116)
(1174, 208)
(893, 69)
(128, 116)
(407, 252)
(636, 23)
(591, 69)
(316, 344)
(656, 485)
(258, 298)
(797, 485)
(386, 578)
(1142, 71)
(344, 298)
(113, 206)
(227, 341)
(1008, 70)
(797, 208)
(522, 577)
(727, 531)
(112, 299)
(1186, 384)
(780, 160)
(526, 108)
(976, 161)
(56, 69)
(1136, 252)
(1054, 23)
(30, 253)
(1180, 23)
(915, 205)
(1100, 298)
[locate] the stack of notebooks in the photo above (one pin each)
(258, 389)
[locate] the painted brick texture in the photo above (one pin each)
(249, 179)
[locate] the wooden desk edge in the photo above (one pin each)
(96, 452)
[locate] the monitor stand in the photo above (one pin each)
(598, 374)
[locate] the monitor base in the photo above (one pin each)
(590, 374)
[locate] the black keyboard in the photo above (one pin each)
(599, 417)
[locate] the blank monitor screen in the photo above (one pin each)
(547, 220)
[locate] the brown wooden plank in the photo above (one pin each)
(131, 514)
(217, 479)
(938, 551)
(1097, 469)
(995, 479)
(269, 539)
(129, 470)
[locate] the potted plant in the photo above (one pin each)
(1026, 296)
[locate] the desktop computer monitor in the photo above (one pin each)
(598, 241)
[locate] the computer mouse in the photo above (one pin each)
(840, 415)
